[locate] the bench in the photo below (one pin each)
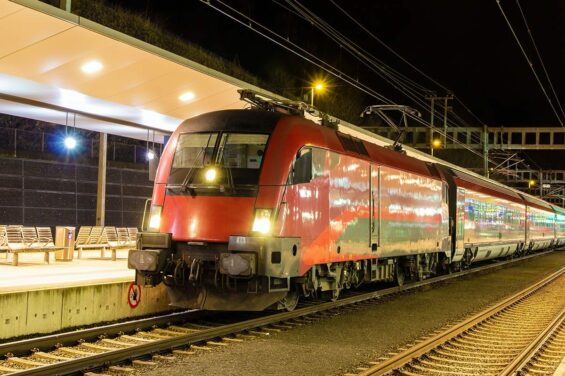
(29, 239)
(91, 238)
(132, 231)
(105, 238)
(4, 239)
(117, 239)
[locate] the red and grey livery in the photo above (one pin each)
(253, 209)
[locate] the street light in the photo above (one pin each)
(531, 183)
(318, 86)
(436, 144)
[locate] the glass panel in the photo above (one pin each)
(194, 150)
(242, 150)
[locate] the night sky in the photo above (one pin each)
(465, 45)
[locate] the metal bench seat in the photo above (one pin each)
(29, 239)
(4, 239)
(91, 238)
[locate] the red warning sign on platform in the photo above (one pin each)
(134, 295)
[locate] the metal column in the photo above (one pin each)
(65, 5)
(101, 192)
(485, 151)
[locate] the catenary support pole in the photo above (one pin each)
(101, 192)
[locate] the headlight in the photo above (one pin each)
(262, 222)
(211, 174)
(155, 217)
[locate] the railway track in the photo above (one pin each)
(524, 335)
(159, 340)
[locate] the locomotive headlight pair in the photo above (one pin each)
(262, 222)
(155, 217)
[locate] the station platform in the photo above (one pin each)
(33, 274)
(40, 298)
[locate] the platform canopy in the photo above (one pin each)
(61, 68)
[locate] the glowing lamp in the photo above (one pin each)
(150, 155)
(262, 221)
(211, 174)
(185, 97)
(92, 67)
(436, 143)
(70, 142)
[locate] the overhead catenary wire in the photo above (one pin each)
(529, 62)
(391, 76)
(311, 58)
(539, 58)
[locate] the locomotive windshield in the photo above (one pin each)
(235, 159)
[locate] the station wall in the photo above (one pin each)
(49, 193)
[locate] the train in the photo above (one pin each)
(255, 209)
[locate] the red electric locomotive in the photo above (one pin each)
(252, 209)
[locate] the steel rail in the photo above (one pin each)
(426, 346)
(121, 355)
(67, 338)
(522, 360)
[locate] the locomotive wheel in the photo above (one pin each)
(290, 301)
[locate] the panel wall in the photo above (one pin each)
(48, 193)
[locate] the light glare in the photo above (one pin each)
(211, 175)
(150, 155)
(262, 221)
(70, 142)
(185, 97)
(155, 221)
(92, 67)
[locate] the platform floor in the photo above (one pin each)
(33, 274)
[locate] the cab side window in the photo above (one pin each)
(302, 168)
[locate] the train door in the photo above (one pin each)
(374, 208)
(459, 226)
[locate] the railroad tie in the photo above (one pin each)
(184, 330)
(166, 332)
(215, 343)
(71, 350)
(24, 362)
(139, 339)
(147, 363)
(230, 339)
(9, 370)
(119, 369)
(183, 352)
(204, 348)
(117, 342)
(44, 355)
(163, 358)
(93, 346)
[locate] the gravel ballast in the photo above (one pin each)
(338, 344)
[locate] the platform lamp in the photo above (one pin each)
(318, 86)
(436, 144)
(70, 139)
(152, 158)
(150, 155)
